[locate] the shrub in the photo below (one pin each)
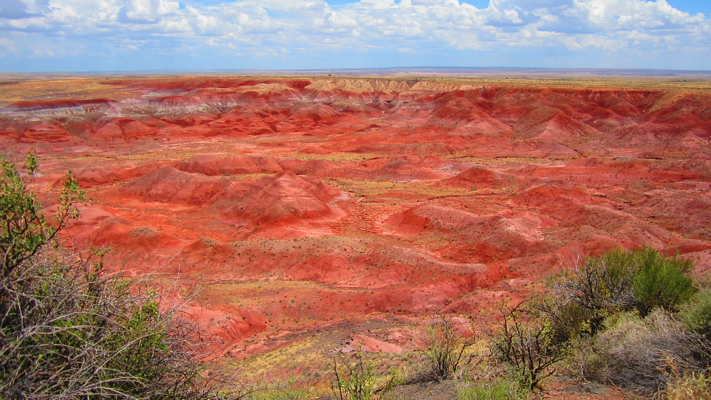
(615, 282)
(696, 315)
(24, 229)
(68, 332)
(640, 353)
(568, 321)
(659, 281)
(528, 346)
(355, 379)
(445, 349)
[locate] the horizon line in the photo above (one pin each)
(647, 72)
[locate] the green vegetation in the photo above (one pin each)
(354, 378)
(67, 331)
(527, 346)
(445, 349)
(496, 389)
(659, 281)
(689, 385)
(696, 314)
(641, 353)
(640, 280)
(632, 319)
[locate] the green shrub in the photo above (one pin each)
(696, 315)
(280, 389)
(640, 280)
(66, 331)
(528, 346)
(659, 281)
(353, 380)
(568, 321)
(445, 349)
(24, 229)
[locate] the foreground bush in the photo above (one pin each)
(659, 281)
(642, 353)
(444, 348)
(528, 346)
(354, 378)
(696, 315)
(641, 280)
(67, 331)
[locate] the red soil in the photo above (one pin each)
(299, 203)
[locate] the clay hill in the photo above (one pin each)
(344, 209)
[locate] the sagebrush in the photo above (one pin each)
(66, 330)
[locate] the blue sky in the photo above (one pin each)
(209, 35)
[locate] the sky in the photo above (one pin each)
(233, 35)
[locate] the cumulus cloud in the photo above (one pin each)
(270, 26)
(146, 11)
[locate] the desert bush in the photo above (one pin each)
(640, 353)
(24, 228)
(67, 331)
(568, 321)
(354, 378)
(660, 281)
(615, 282)
(696, 314)
(596, 288)
(527, 345)
(444, 348)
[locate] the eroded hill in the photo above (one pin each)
(301, 205)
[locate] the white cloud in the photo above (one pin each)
(146, 11)
(272, 25)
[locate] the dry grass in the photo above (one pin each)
(641, 354)
(689, 385)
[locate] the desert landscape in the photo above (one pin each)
(310, 215)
